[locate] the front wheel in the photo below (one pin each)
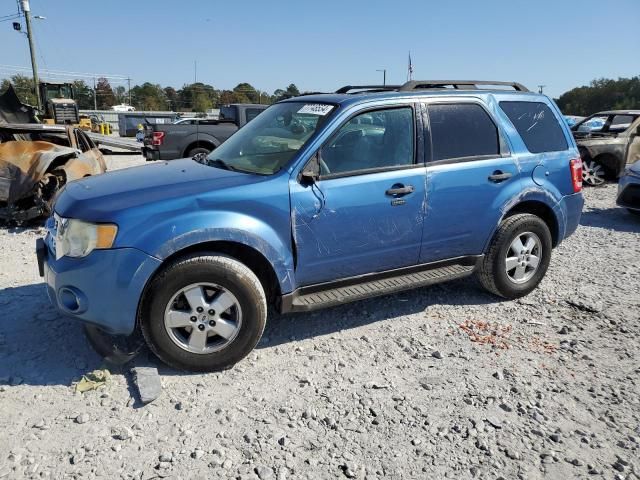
(203, 313)
(518, 256)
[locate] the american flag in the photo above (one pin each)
(410, 69)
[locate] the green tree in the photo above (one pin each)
(120, 93)
(291, 91)
(197, 96)
(24, 88)
(172, 98)
(149, 96)
(601, 94)
(246, 90)
(84, 95)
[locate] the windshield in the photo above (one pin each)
(59, 91)
(606, 123)
(268, 142)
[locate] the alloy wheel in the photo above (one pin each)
(593, 173)
(523, 257)
(203, 318)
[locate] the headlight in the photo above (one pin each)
(76, 238)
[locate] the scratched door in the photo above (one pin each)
(365, 213)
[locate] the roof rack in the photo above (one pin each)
(457, 84)
(368, 88)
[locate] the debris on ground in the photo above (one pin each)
(487, 333)
(147, 381)
(93, 380)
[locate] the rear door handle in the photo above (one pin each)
(399, 190)
(499, 176)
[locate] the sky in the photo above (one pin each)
(323, 45)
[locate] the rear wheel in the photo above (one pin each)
(204, 313)
(200, 151)
(518, 256)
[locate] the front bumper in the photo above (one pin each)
(629, 192)
(568, 211)
(103, 288)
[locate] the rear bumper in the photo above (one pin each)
(103, 288)
(150, 153)
(568, 212)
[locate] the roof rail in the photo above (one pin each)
(457, 84)
(367, 88)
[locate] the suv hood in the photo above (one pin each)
(102, 197)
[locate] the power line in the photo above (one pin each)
(69, 73)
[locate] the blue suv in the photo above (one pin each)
(322, 199)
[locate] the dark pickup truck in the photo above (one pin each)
(170, 141)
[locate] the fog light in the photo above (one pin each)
(72, 300)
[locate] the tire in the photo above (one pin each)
(221, 335)
(493, 274)
(198, 150)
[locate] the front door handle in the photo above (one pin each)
(398, 190)
(499, 176)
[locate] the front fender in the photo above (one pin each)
(169, 236)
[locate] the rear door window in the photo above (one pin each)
(462, 130)
(537, 125)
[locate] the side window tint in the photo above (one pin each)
(537, 125)
(462, 130)
(376, 139)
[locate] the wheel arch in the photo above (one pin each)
(245, 254)
(200, 143)
(613, 164)
(541, 210)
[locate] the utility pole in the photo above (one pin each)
(384, 75)
(95, 95)
(26, 8)
(195, 71)
(129, 83)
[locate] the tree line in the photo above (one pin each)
(600, 94)
(196, 97)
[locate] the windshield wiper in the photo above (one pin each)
(218, 162)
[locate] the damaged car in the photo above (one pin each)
(320, 200)
(608, 142)
(36, 161)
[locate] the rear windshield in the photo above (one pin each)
(537, 125)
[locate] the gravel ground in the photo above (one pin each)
(444, 382)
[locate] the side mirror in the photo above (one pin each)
(638, 130)
(311, 172)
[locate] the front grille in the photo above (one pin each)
(66, 113)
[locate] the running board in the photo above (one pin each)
(373, 285)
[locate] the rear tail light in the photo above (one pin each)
(158, 138)
(576, 174)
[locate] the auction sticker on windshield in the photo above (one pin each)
(316, 109)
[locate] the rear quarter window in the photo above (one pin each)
(537, 125)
